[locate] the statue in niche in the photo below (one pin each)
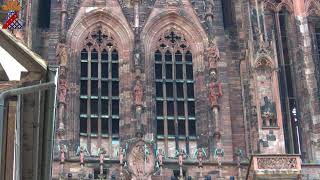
(215, 91)
(63, 150)
(200, 153)
(138, 92)
(213, 58)
(62, 100)
(62, 53)
(268, 113)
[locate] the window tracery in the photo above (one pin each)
(175, 102)
(99, 85)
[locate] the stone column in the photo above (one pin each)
(62, 58)
(308, 101)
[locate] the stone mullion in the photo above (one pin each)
(110, 99)
(185, 97)
(164, 103)
(175, 103)
(99, 97)
(89, 102)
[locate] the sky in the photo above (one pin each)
(10, 65)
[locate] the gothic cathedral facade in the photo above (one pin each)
(184, 89)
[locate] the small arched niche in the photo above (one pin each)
(267, 93)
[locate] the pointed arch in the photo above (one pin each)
(85, 23)
(192, 42)
(192, 31)
(264, 61)
(287, 4)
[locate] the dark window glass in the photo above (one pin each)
(83, 106)
(43, 13)
(159, 90)
(104, 70)
(94, 88)
(104, 126)
(189, 72)
(179, 71)
(180, 90)
(115, 107)
(190, 90)
(169, 88)
(159, 108)
(170, 108)
(104, 88)
(94, 69)
(99, 109)
(115, 71)
(84, 69)
(104, 106)
(160, 127)
(158, 56)
(94, 106)
(115, 126)
(94, 126)
(115, 56)
(188, 56)
(168, 56)
(191, 111)
(181, 127)
(158, 71)
(180, 105)
(115, 88)
(104, 55)
(168, 71)
(178, 56)
(192, 128)
(84, 54)
(83, 125)
(171, 127)
(84, 87)
(94, 55)
(174, 85)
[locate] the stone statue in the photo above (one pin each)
(268, 113)
(138, 91)
(219, 153)
(200, 153)
(82, 151)
(213, 57)
(180, 157)
(160, 154)
(62, 90)
(63, 149)
(62, 54)
(102, 152)
(215, 90)
(121, 155)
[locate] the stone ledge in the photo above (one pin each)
(274, 166)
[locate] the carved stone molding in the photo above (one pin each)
(141, 159)
(277, 162)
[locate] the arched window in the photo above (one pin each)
(99, 86)
(175, 102)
